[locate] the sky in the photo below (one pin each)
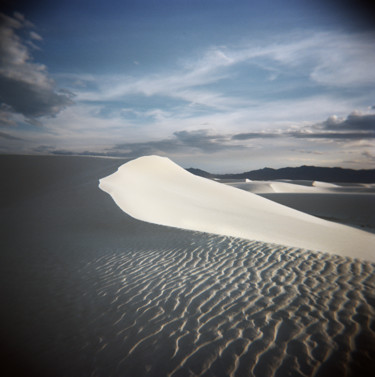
(221, 85)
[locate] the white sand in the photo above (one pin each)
(156, 190)
(136, 299)
(299, 187)
(351, 203)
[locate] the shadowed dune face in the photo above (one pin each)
(89, 291)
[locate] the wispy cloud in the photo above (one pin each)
(300, 83)
(268, 94)
(333, 59)
(6, 136)
(25, 87)
(369, 155)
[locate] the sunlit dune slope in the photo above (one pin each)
(156, 190)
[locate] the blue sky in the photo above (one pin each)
(220, 85)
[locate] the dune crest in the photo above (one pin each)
(156, 190)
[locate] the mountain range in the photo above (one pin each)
(313, 173)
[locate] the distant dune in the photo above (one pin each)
(351, 204)
(156, 190)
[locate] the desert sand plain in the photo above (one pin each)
(252, 288)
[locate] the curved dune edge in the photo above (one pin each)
(156, 190)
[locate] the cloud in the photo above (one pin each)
(221, 79)
(256, 135)
(346, 61)
(212, 150)
(200, 141)
(332, 135)
(6, 116)
(6, 136)
(36, 36)
(25, 87)
(309, 152)
(356, 126)
(355, 121)
(181, 142)
(305, 133)
(370, 156)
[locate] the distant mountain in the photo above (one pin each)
(311, 173)
(200, 173)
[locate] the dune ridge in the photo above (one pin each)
(156, 190)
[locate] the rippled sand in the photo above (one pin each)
(89, 291)
(228, 307)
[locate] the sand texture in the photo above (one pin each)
(229, 307)
(89, 291)
(156, 190)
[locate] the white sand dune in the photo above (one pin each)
(156, 190)
(307, 187)
(323, 184)
(351, 204)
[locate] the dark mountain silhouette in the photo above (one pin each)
(313, 173)
(201, 173)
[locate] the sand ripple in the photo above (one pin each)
(231, 307)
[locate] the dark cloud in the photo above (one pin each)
(354, 127)
(354, 122)
(182, 141)
(370, 156)
(204, 141)
(25, 87)
(307, 135)
(332, 135)
(308, 152)
(201, 140)
(256, 135)
(31, 100)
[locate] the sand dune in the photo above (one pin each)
(350, 204)
(89, 291)
(299, 187)
(156, 190)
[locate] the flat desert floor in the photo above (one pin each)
(89, 291)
